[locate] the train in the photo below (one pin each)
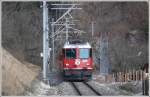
(77, 61)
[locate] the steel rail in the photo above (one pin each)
(73, 84)
(92, 89)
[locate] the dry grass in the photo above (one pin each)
(16, 76)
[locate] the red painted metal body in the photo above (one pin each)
(77, 68)
(83, 63)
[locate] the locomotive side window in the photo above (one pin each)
(84, 53)
(70, 53)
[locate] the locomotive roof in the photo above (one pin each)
(77, 45)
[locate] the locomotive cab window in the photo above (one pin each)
(84, 53)
(69, 53)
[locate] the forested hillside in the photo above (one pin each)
(125, 24)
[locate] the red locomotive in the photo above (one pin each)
(77, 61)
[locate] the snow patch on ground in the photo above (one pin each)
(133, 88)
(41, 89)
(119, 88)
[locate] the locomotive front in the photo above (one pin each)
(77, 61)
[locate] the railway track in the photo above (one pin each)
(87, 87)
(75, 87)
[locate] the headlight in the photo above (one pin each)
(87, 64)
(77, 62)
(67, 64)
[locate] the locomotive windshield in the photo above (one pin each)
(70, 53)
(84, 53)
